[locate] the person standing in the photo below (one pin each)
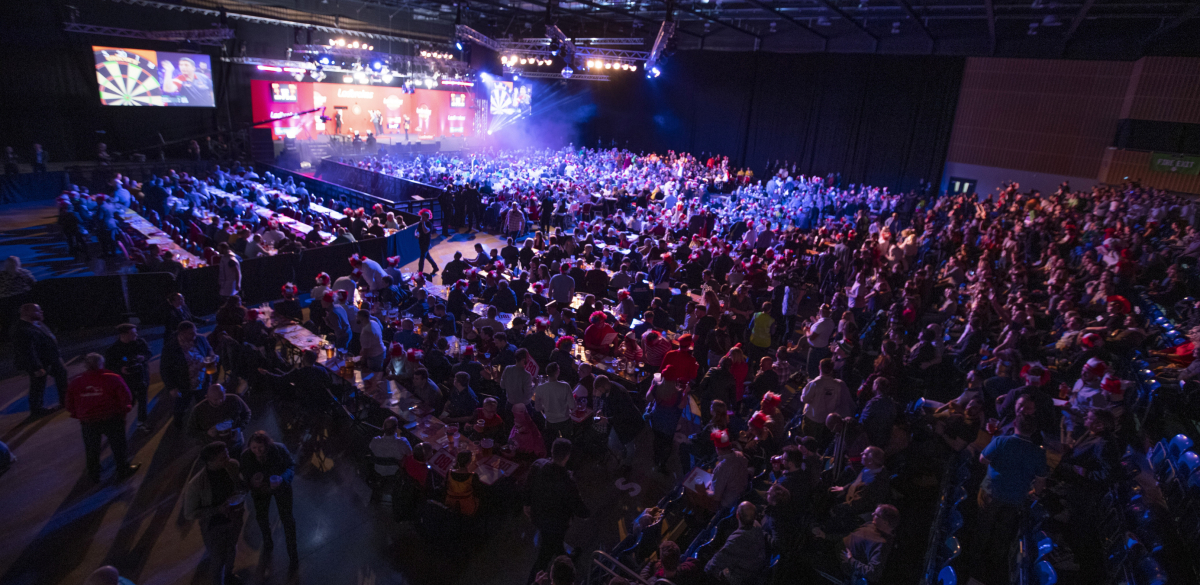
(823, 396)
(40, 158)
(130, 357)
(553, 399)
(370, 337)
(229, 272)
(35, 351)
(551, 500)
(183, 366)
(219, 417)
(98, 399)
(424, 240)
(215, 497)
(16, 284)
(1016, 465)
(268, 469)
(623, 417)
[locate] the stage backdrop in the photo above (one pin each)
(877, 119)
(431, 113)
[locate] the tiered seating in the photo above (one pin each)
(944, 546)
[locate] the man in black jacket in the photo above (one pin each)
(624, 419)
(130, 357)
(268, 469)
(35, 350)
(552, 499)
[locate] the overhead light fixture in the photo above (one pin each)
(567, 72)
(896, 27)
(1051, 20)
(823, 21)
(1033, 26)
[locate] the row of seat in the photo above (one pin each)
(944, 544)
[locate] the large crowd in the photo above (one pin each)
(809, 359)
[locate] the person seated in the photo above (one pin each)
(442, 320)
(462, 486)
(744, 553)
(731, 475)
(866, 550)
(219, 417)
(391, 293)
(671, 566)
(487, 422)
(600, 336)
(390, 449)
(461, 402)
(871, 487)
(407, 336)
(525, 438)
(289, 307)
(427, 391)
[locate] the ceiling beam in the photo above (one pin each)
(991, 18)
(842, 13)
(612, 9)
(921, 23)
(720, 22)
(788, 18)
(1075, 22)
(1187, 15)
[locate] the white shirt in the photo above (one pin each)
(825, 395)
(553, 399)
(391, 447)
(229, 275)
(373, 273)
(821, 332)
(272, 237)
(371, 338)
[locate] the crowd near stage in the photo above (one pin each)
(294, 296)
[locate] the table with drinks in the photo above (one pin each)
(490, 462)
(154, 235)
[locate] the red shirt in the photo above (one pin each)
(685, 364)
(98, 395)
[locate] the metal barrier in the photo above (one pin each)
(614, 568)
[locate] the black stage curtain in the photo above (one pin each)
(877, 119)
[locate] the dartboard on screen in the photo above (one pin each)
(127, 77)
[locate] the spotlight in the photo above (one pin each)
(324, 60)
(608, 65)
(524, 60)
(591, 63)
(567, 72)
(654, 72)
(377, 65)
(299, 76)
(458, 45)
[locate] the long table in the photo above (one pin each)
(154, 235)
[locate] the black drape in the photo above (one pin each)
(877, 119)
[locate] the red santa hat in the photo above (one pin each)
(1096, 366)
(1089, 340)
(771, 401)
(1112, 385)
(414, 355)
(468, 351)
(396, 350)
(721, 439)
(355, 261)
(393, 261)
(685, 341)
(597, 317)
(1123, 305)
(758, 421)
(425, 213)
(323, 278)
(541, 323)
(251, 315)
(329, 297)
(289, 290)
(377, 207)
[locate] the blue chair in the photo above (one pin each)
(947, 576)
(1045, 545)
(950, 550)
(954, 521)
(1045, 573)
(1187, 463)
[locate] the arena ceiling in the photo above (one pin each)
(1082, 29)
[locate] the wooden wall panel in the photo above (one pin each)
(1046, 116)
(1167, 90)
(1135, 164)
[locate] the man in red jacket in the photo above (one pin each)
(100, 399)
(685, 365)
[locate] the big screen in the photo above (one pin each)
(509, 99)
(135, 77)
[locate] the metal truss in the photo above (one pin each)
(368, 55)
(476, 37)
(272, 21)
(523, 48)
(210, 36)
(552, 75)
(448, 68)
(592, 40)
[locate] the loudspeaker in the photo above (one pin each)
(262, 148)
